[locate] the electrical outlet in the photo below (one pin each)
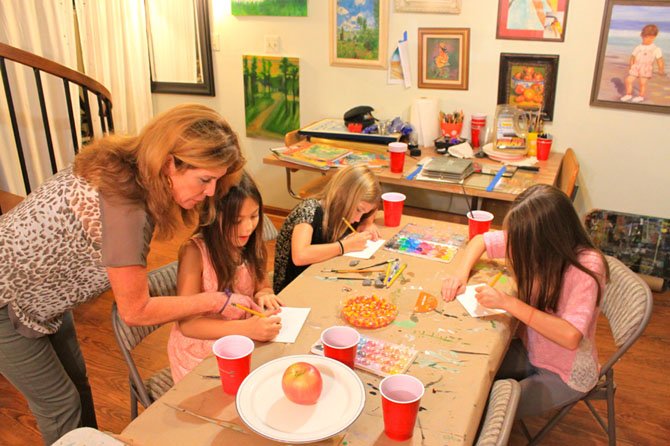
(272, 44)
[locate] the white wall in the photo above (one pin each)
(623, 154)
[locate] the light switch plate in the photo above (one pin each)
(272, 44)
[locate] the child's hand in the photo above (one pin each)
(356, 241)
(370, 228)
(269, 300)
(451, 287)
(265, 328)
(491, 298)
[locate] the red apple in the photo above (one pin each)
(302, 383)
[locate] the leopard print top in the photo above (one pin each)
(51, 257)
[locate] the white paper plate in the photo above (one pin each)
(263, 407)
(501, 156)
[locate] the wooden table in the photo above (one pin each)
(458, 357)
(474, 186)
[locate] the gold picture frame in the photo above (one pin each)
(359, 33)
(429, 6)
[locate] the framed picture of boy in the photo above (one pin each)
(630, 70)
(532, 19)
(528, 81)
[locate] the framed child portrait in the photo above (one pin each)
(444, 58)
(528, 81)
(358, 33)
(532, 19)
(630, 70)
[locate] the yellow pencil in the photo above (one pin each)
(495, 279)
(248, 310)
(348, 224)
(402, 268)
(388, 270)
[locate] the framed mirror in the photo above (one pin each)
(180, 50)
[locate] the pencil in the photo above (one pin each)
(495, 279)
(248, 310)
(348, 224)
(388, 270)
(402, 268)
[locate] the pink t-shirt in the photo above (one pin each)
(184, 352)
(577, 304)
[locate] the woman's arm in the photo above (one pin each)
(551, 327)
(455, 284)
(258, 328)
(303, 252)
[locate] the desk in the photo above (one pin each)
(474, 186)
(458, 357)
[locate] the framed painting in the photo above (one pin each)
(532, 19)
(528, 81)
(359, 33)
(444, 58)
(630, 71)
(295, 8)
(271, 95)
(432, 6)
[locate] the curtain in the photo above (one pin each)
(115, 53)
(45, 28)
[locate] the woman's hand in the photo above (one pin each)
(265, 328)
(491, 298)
(452, 286)
(371, 228)
(356, 241)
(268, 300)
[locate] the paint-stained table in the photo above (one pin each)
(458, 357)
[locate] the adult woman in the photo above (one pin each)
(88, 228)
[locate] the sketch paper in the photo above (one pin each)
(292, 320)
(370, 248)
(469, 302)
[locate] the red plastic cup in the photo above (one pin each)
(393, 204)
(401, 395)
(341, 344)
(543, 148)
(397, 150)
(477, 126)
(479, 222)
(233, 355)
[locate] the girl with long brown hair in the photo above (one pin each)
(226, 255)
(315, 230)
(561, 279)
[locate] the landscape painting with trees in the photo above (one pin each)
(271, 95)
(359, 32)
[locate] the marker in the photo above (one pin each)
(248, 310)
(348, 224)
(496, 178)
(495, 278)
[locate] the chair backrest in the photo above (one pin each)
(500, 412)
(269, 229)
(90, 89)
(627, 305)
(567, 174)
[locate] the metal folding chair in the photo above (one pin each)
(500, 411)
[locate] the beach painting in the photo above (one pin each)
(271, 95)
(640, 28)
(295, 8)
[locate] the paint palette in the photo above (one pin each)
(377, 356)
(426, 242)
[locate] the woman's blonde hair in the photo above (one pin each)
(344, 191)
(132, 167)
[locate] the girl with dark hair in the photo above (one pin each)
(561, 278)
(225, 255)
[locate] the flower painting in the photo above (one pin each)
(443, 58)
(358, 33)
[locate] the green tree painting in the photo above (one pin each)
(358, 29)
(296, 8)
(271, 95)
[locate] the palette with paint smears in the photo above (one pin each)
(426, 242)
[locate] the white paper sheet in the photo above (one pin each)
(469, 302)
(292, 320)
(370, 248)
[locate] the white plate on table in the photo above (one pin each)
(498, 155)
(263, 407)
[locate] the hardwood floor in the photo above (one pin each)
(641, 401)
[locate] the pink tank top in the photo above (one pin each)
(185, 353)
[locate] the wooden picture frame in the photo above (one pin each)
(613, 71)
(444, 58)
(429, 6)
(517, 22)
(528, 81)
(358, 33)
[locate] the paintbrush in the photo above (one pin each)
(358, 271)
(340, 278)
(216, 421)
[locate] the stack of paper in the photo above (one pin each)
(448, 169)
